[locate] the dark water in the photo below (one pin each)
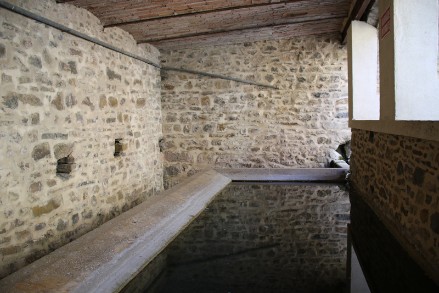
(386, 265)
(281, 238)
(259, 238)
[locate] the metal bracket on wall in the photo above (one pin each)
(63, 28)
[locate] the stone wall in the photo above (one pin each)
(218, 123)
(399, 177)
(65, 100)
(264, 238)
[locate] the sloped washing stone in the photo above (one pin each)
(298, 174)
(107, 258)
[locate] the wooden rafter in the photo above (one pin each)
(171, 21)
(359, 12)
(195, 13)
(240, 19)
(257, 27)
(330, 26)
(113, 13)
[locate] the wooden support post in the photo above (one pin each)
(359, 12)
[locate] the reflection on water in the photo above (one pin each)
(385, 263)
(260, 238)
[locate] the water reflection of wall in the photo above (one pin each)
(398, 176)
(264, 238)
(385, 263)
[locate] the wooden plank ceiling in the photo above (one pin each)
(185, 23)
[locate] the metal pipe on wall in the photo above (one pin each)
(8, 6)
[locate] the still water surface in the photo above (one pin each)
(258, 238)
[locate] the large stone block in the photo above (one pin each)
(41, 151)
(46, 208)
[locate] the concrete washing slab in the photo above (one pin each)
(301, 174)
(107, 258)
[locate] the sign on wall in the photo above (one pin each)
(385, 23)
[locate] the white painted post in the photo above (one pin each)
(364, 101)
(408, 59)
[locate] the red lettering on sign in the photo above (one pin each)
(385, 23)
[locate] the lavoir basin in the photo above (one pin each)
(209, 234)
(259, 237)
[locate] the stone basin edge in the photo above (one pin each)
(107, 258)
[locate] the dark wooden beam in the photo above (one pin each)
(199, 12)
(236, 30)
(368, 9)
(324, 27)
(359, 12)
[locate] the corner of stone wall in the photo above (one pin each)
(223, 124)
(80, 127)
(87, 23)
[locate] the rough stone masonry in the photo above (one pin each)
(66, 107)
(398, 176)
(81, 126)
(218, 123)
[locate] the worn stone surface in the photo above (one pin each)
(211, 122)
(399, 178)
(62, 150)
(53, 103)
(41, 151)
(109, 256)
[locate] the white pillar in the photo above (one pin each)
(364, 100)
(408, 59)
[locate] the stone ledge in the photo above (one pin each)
(300, 174)
(107, 258)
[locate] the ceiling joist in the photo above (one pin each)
(192, 13)
(204, 21)
(359, 11)
(321, 27)
(113, 13)
(236, 30)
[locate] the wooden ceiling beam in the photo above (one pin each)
(248, 18)
(168, 22)
(322, 27)
(235, 30)
(275, 4)
(359, 12)
(111, 12)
